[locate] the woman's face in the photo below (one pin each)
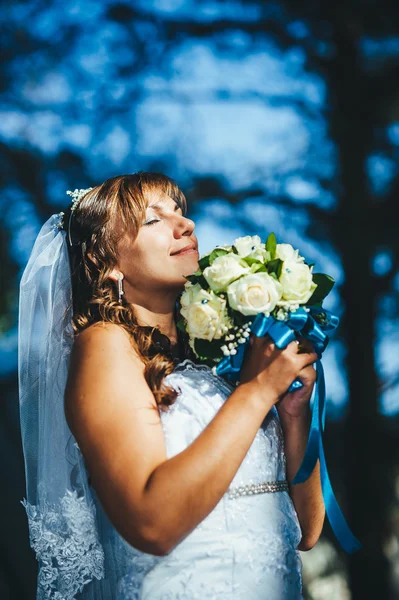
(151, 262)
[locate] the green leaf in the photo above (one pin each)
(271, 244)
(258, 268)
(252, 261)
(275, 266)
(204, 262)
(181, 324)
(197, 278)
(207, 349)
(238, 318)
(325, 283)
(234, 249)
(217, 252)
(196, 274)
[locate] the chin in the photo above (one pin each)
(194, 268)
(188, 264)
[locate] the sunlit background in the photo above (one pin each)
(271, 116)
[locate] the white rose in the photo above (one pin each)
(225, 247)
(190, 291)
(224, 270)
(206, 314)
(255, 293)
(247, 244)
(251, 245)
(261, 254)
(287, 253)
(298, 285)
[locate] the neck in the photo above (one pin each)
(164, 320)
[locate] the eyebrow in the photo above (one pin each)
(155, 205)
(159, 204)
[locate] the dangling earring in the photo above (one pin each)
(120, 290)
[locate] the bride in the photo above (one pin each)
(149, 477)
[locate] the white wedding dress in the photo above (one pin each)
(246, 548)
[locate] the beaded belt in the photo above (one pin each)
(258, 488)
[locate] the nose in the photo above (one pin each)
(184, 226)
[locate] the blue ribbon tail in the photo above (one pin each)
(314, 450)
(334, 514)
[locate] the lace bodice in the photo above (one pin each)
(246, 547)
(202, 395)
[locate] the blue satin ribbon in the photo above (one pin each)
(282, 333)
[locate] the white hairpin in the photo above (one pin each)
(77, 195)
(58, 225)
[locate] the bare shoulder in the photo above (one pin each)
(103, 361)
(113, 415)
(105, 339)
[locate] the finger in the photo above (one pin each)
(269, 341)
(293, 346)
(310, 358)
(308, 375)
(308, 355)
(308, 371)
(254, 340)
(262, 341)
(305, 345)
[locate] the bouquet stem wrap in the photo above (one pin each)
(282, 333)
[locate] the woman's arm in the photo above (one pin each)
(152, 501)
(155, 502)
(295, 417)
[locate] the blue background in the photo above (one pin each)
(271, 116)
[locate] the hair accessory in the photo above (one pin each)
(77, 195)
(60, 223)
(120, 289)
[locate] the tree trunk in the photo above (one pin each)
(352, 112)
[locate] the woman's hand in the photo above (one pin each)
(273, 369)
(296, 403)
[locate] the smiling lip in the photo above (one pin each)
(188, 251)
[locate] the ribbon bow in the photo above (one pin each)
(311, 324)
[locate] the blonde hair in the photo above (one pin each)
(96, 225)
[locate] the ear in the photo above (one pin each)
(114, 275)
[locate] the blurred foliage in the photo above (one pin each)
(278, 116)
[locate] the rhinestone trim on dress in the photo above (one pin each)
(258, 488)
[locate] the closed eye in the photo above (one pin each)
(177, 207)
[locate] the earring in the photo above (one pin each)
(120, 290)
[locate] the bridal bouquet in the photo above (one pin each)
(264, 288)
(251, 286)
